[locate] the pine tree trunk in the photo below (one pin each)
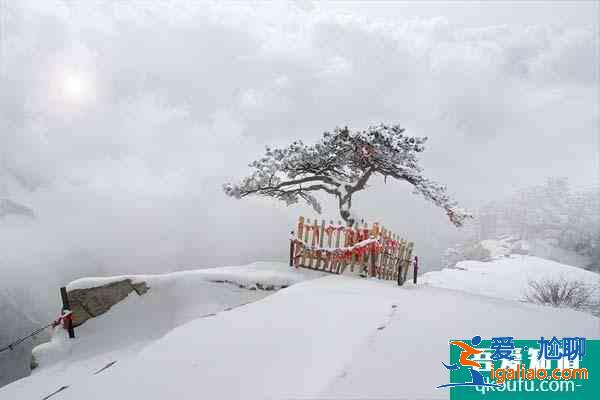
(345, 204)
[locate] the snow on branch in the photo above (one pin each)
(341, 164)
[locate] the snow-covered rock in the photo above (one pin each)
(492, 249)
(171, 300)
(259, 274)
(92, 302)
(507, 277)
(91, 297)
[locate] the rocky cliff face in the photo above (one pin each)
(15, 323)
(92, 302)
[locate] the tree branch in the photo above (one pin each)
(281, 186)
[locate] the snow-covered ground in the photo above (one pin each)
(505, 277)
(331, 337)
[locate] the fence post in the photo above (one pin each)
(408, 256)
(415, 270)
(373, 262)
(320, 254)
(67, 307)
(291, 248)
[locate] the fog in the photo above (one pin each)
(120, 121)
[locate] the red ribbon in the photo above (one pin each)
(350, 235)
(64, 319)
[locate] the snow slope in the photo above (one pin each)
(332, 337)
(506, 277)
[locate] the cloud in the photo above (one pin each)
(185, 95)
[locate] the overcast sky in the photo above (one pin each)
(120, 120)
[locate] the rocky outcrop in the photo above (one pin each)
(92, 302)
(485, 250)
(255, 286)
(10, 207)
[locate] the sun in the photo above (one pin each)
(75, 87)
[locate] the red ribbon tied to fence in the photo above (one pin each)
(350, 235)
(361, 251)
(376, 247)
(64, 319)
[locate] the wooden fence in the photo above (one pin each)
(369, 251)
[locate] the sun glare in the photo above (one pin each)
(75, 87)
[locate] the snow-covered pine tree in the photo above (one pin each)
(341, 164)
